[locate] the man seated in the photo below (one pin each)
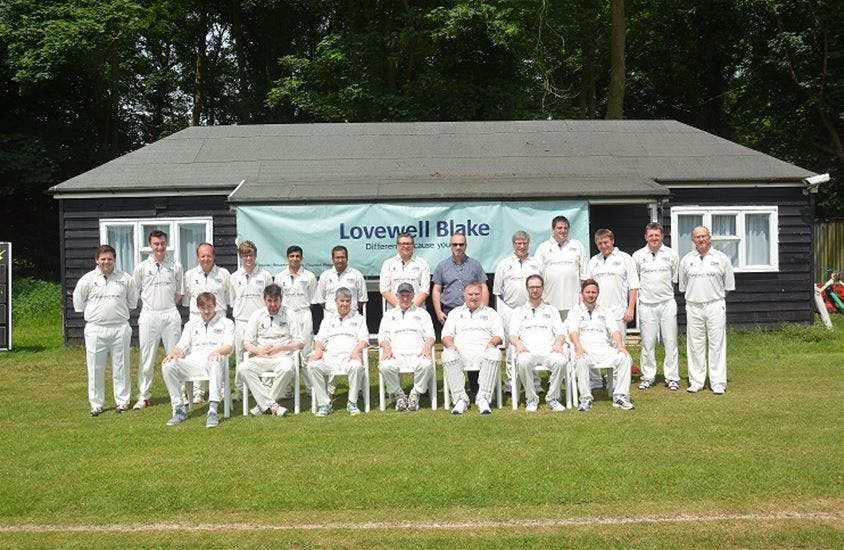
(271, 342)
(339, 345)
(539, 338)
(406, 337)
(203, 349)
(471, 336)
(598, 343)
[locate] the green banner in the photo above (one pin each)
(369, 230)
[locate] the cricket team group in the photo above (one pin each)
(557, 310)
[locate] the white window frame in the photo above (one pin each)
(140, 241)
(740, 212)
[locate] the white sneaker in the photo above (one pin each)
(460, 407)
(532, 405)
(278, 410)
(483, 406)
(323, 411)
(694, 389)
(645, 383)
(623, 402)
(352, 408)
(142, 404)
(179, 416)
(718, 390)
(212, 420)
(556, 406)
(256, 411)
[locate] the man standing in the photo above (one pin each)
(202, 350)
(450, 279)
(657, 267)
(341, 276)
(539, 338)
(339, 344)
(406, 337)
(161, 284)
(509, 289)
(205, 277)
(706, 276)
(298, 286)
(563, 262)
(404, 267)
(616, 274)
(471, 336)
(598, 343)
(105, 296)
(245, 292)
(271, 342)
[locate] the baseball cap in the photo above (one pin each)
(405, 287)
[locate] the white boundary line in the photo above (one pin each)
(422, 525)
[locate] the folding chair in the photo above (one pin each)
(468, 368)
(227, 391)
(364, 387)
(269, 376)
(432, 387)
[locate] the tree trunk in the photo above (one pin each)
(244, 103)
(615, 94)
(199, 76)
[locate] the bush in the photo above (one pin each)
(35, 299)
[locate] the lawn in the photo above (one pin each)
(758, 467)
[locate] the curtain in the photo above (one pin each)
(190, 236)
(757, 230)
(122, 238)
(685, 223)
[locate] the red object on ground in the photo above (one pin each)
(838, 288)
(635, 370)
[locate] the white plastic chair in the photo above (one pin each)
(227, 390)
(469, 368)
(432, 387)
(269, 376)
(364, 387)
(572, 396)
(570, 379)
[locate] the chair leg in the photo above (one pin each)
(446, 397)
(296, 396)
(227, 395)
(381, 401)
(514, 389)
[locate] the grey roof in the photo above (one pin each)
(432, 160)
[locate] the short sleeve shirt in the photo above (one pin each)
(594, 328)
(563, 267)
(657, 274)
(706, 278)
(616, 275)
(339, 335)
(216, 281)
(264, 329)
(158, 283)
(246, 291)
(510, 276)
(537, 328)
(472, 330)
(201, 338)
(395, 271)
(330, 281)
(406, 330)
(454, 277)
(298, 289)
(105, 300)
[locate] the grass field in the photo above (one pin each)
(758, 467)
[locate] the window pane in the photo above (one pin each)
(190, 236)
(121, 237)
(758, 239)
(728, 247)
(685, 224)
(724, 225)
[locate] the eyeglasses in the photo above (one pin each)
(458, 244)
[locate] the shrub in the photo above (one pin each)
(35, 299)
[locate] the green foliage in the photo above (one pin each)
(35, 300)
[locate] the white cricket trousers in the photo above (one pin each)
(177, 371)
(488, 363)
(303, 319)
(603, 357)
(250, 373)
(154, 327)
(659, 320)
(320, 369)
(554, 362)
(706, 323)
(422, 368)
(101, 341)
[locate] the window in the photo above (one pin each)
(747, 235)
(130, 238)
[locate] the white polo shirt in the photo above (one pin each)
(266, 329)
(105, 300)
(330, 281)
(158, 283)
(201, 338)
(658, 273)
(395, 271)
(406, 330)
(616, 275)
(298, 288)
(246, 291)
(216, 281)
(563, 267)
(339, 335)
(537, 328)
(594, 329)
(706, 278)
(510, 276)
(472, 330)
